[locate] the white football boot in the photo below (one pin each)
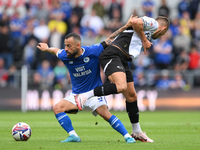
(80, 100)
(141, 137)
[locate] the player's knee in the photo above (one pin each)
(132, 97)
(57, 109)
(121, 88)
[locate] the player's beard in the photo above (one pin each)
(158, 34)
(72, 55)
(155, 36)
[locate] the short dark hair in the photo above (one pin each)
(164, 21)
(74, 35)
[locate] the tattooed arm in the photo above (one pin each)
(120, 30)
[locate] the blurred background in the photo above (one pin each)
(166, 78)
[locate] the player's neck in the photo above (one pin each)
(80, 52)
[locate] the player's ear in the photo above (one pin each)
(165, 28)
(78, 45)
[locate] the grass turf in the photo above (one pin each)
(174, 130)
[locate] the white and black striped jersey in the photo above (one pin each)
(130, 42)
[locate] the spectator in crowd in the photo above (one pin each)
(163, 52)
(93, 22)
(177, 82)
(180, 42)
(151, 75)
(44, 75)
(197, 26)
(58, 29)
(183, 6)
(74, 21)
(148, 7)
(4, 19)
(99, 8)
(193, 8)
(16, 26)
(11, 78)
(62, 78)
(27, 32)
(163, 10)
(3, 74)
(174, 27)
(113, 6)
(32, 8)
(29, 54)
(142, 61)
(78, 11)
(194, 58)
(163, 83)
(42, 12)
(42, 31)
(182, 61)
(66, 7)
(36, 81)
(76, 29)
(87, 31)
(5, 46)
(55, 8)
(186, 24)
(140, 79)
(114, 23)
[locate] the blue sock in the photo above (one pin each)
(117, 125)
(64, 121)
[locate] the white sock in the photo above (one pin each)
(89, 94)
(127, 135)
(136, 127)
(73, 132)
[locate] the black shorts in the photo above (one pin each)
(113, 60)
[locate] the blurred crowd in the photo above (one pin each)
(49, 21)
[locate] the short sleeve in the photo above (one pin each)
(97, 49)
(149, 24)
(61, 54)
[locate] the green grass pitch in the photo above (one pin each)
(171, 130)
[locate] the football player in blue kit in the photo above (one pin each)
(83, 65)
(125, 47)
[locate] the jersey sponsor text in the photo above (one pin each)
(79, 74)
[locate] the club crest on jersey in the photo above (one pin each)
(86, 59)
(71, 62)
(149, 23)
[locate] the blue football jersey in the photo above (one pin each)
(84, 70)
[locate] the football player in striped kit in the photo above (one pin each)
(114, 61)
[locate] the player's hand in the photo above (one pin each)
(129, 22)
(146, 45)
(42, 46)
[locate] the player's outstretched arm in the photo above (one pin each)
(137, 24)
(45, 48)
(120, 30)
